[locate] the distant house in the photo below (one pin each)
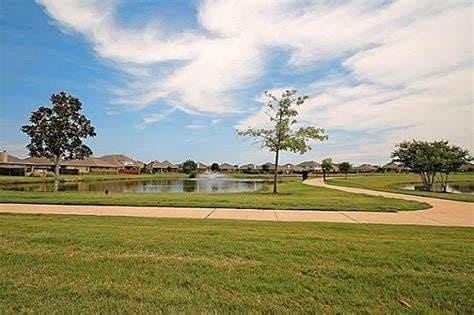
(124, 163)
(365, 168)
(467, 167)
(88, 165)
(310, 166)
(11, 165)
(201, 167)
(248, 167)
(227, 168)
(160, 167)
(391, 167)
(287, 168)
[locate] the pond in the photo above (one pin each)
(456, 188)
(203, 185)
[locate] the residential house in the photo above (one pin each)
(227, 168)
(160, 167)
(392, 167)
(365, 168)
(11, 165)
(124, 163)
(201, 167)
(310, 166)
(88, 165)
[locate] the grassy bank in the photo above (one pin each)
(293, 195)
(6, 180)
(393, 182)
(72, 264)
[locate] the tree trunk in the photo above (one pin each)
(57, 166)
(324, 175)
(445, 184)
(275, 174)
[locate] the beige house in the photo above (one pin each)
(11, 165)
(227, 168)
(365, 168)
(124, 163)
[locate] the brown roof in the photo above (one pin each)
(38, 161)
(120, 160)
(366, 167)
(247, 166)
(89, 162)
(309, 164)
(168, 164)
(158, 164)
(9, 158)
(227, 166)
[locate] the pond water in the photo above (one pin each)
(456, 188)
(204, 185)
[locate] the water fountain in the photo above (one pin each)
(211, 175)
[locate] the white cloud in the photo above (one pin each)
(408, 63)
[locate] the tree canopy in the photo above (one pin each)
(283, 135)
(430, 159)
(189, 167)
(56, 132)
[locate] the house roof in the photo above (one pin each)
(89, 161)
(120, 160)
(5, 157)
(38, 161)
(309, 164)
(391, 166)
(366, 167)
(201, 165)
(168, 164)
(227, 166)
(247, 166)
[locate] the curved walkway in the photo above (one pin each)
(443, 212)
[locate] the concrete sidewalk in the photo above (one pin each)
(443, 213)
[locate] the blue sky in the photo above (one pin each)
(174, 79)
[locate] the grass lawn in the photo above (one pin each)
(80, 264)
(293, 195)
(392, 183)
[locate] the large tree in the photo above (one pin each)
(57, 132)
(430, 159)
(282, 135)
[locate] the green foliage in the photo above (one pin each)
(430, 158)
(57, 132)
(327, 164)
(265, 168)
(283, 136)
(189, 167)
(215, 167)
(345, 167)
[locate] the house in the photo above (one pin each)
(11, 165)
(391, 167)
(310, 166)
(248, 167)
(88, 165)
(467, 167)
(287, 168)
(201, 167)
(365, 168)
(124, 163)
(159, 167)
(227, 168)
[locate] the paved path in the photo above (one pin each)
(443, 213)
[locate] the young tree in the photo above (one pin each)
(345, 167)
(327, 166)
(283, 136)
(430, 158)
(56, 133)
(189, 167)
(215, 167)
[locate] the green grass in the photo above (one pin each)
(293, 195)
(74, 264)
(393, 182)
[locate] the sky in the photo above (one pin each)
(175, 79)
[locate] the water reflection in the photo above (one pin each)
(456, 188)
(215, 185)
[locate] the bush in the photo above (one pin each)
(193, 175)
